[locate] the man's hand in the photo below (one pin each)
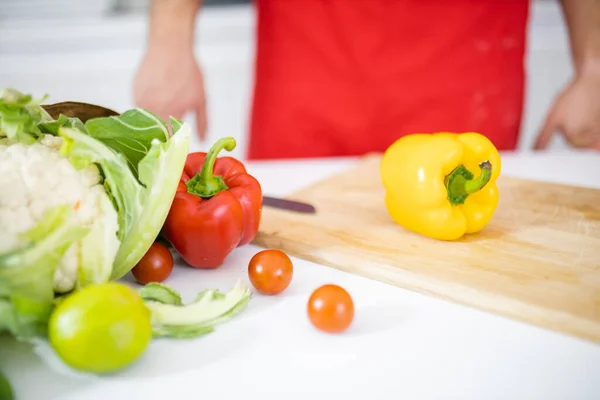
(169, 83)
(575, 113)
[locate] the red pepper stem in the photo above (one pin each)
(460, 183)
(206, 184)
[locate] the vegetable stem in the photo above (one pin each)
(461, 182)
(206, 184)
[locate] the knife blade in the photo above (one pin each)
(289, 205)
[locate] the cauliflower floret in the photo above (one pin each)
(54, 142)
(35, 178)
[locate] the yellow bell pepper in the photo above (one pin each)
(430, 184)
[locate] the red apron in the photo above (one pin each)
(348, 77)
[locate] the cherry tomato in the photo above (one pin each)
(330, 309)
(270, 271)
(155, 266)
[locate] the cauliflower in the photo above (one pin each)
(33, 179)
(80, 203)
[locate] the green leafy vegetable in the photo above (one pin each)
(20, 116)
(6, 392)
(142, 206)
(146, 126)
(170, 318)
(26, 273)
(63, 121)
(100, 246)
(160, 293)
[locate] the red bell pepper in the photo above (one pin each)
(217, 207)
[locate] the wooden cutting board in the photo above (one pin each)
(537, 261)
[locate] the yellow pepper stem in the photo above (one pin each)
(461, 182)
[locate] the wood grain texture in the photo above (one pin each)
(537, 261)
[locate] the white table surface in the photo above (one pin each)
(402, 345)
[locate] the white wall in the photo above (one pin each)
(94, 58)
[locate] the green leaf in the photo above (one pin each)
(8, 319)
(100, 246)
(199, 317)
(62, 121)
(142, 202)
(20, 115)
(6, 392)
(26, 273)
(130, 133)
(158, 292)
(175, 123)
(180, 332)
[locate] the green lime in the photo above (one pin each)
(101, 328)
(5, 389)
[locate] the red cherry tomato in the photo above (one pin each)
(270, 271)
(155, 266)
(330, 309)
